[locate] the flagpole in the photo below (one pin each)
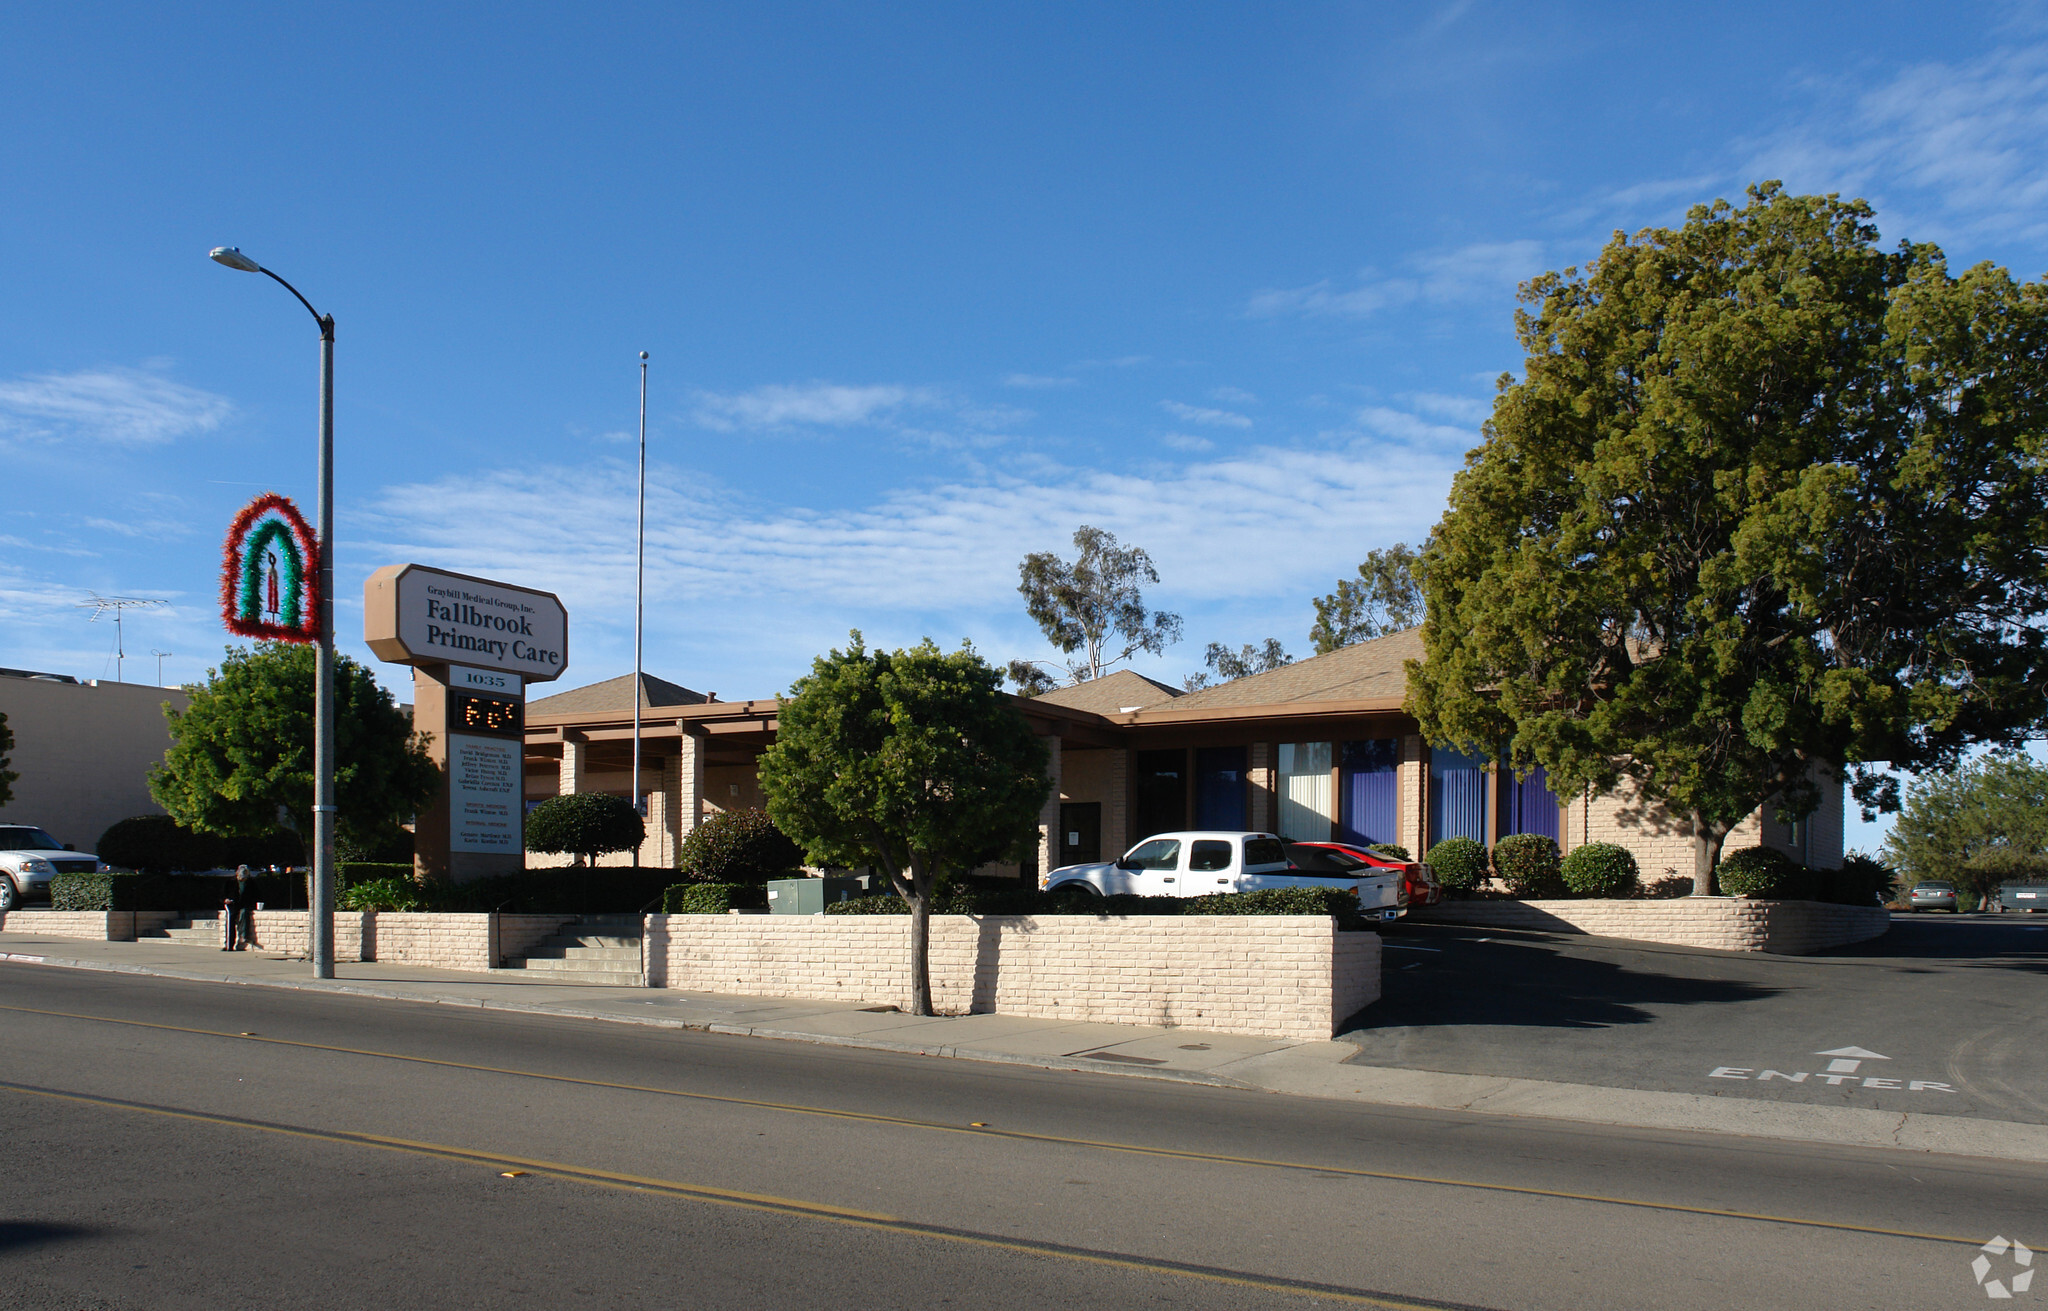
(639, 593)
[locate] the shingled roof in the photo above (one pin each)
(1111, 693)
(614, 697)
(1365, 671)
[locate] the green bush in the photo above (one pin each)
(347, 873)
(738, 846)
(1341, 905)
(1601, 869)
(1529, 865)
(887, 903)
(120, 890)
(1393, 850)
(584, 824)
(1767, 873)
(379, 844)
(713, 898)
(397, 894)
(1458, 863)
(156, 844)
(1861, 881)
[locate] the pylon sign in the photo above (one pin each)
(270, 573)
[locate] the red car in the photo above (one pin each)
(1422, 889)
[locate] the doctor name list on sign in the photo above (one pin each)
(515, 628)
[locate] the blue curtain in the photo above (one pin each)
(1371, 810)
(1528, 805)
(1457, 796)
(1219, 788)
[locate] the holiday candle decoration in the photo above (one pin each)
(270, 573)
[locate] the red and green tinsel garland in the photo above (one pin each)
(270, 573)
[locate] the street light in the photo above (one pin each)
(323, 688)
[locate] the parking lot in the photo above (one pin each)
(1940, 1016)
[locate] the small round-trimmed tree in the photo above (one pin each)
(1601, 869)
(1760, 872)
(1458, 863)
(738, 846)
(1528, 864)
(586, 824)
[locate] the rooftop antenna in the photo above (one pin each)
(99, 605)
(160, 663)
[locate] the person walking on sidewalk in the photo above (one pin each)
(240, 911)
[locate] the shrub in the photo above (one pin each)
(585, 824)
(1861, 881)
(1339, 904)
(884, 904)
(713, 898)
(1391, 849)
(1458, 863)
(124, 891)
(157, 844)
(1528, 864)
(1765, 872)
(385, 894)
(1601, 869)
(738, 846)
(383, 844)
(347, 873)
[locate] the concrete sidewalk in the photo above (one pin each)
(1311, 1069)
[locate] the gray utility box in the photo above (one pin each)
(808, 896)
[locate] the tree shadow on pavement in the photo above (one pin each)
(27, 1235)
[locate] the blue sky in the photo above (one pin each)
(925, 286)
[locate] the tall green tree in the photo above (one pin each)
(241, 756)
(586, 825)
(1979, 823)
(1384, 598)
(7, 776)
(912, 762)
(1093, 604)
(1766, 500)
(1228, 665)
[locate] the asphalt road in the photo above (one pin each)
(176, 1145)
(1956, 1004)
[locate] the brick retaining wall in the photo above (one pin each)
(1279, 976)
(1789, 928)
(96, 925)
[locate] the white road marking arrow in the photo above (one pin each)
(1856, 1052)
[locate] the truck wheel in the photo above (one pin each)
(8, 896)
(1080, 896)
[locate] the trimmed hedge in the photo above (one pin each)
(1458, 863)
(1767, 873)
(1393, 850)
(155, 844)
(713, 898)
(1338, 904)
(120, 890)
(1529, 865)
(738, 846)
(1601, 869)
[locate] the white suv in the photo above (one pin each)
(1197, 864)
(30, 858)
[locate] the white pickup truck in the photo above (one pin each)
(1197, 864)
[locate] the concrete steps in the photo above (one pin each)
(202, 930)
(598, 949)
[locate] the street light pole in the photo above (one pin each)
(639, 588)
(323, 688)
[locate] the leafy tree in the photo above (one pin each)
(1979, 824)
(7, 776)
(1229, 665)
(158, 844)
(241, 756)
(911, 762)
(738, 846)
(1093, 604)
(1384, 598)
(1766, 501)
(585, 824)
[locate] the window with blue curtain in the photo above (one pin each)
(1219, 788)
(1527, 805)
(1457, 796)
(1371, 783)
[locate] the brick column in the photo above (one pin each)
(574, 757)
(1414, 795)
(689, 789)
(1049, 814)
(1261, 814)
(1116, 816)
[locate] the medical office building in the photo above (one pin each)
(1317, 750)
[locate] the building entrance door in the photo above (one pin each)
(1081, 832)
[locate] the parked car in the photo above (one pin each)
(2029, 897)
(1421, 884)
(1931, 896)
(30, 858)
(1195, 864)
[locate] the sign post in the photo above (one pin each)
(473, 645)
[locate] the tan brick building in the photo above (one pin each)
(1318, 749)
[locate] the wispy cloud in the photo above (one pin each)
(1181, 441)
(1959, 148)
(813, 404)
(1038, 380)
(1233, 396)
(1207, 417)
(1460, 409)
(124, 407)
(1469, 272)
